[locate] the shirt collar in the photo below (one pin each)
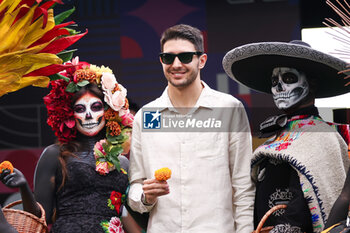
(204, 100)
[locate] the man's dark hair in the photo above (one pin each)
(184, 32)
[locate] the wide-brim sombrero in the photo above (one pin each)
(252, 65)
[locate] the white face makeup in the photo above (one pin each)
(89, 114)
(289, 87)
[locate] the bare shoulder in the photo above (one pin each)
(49, 157)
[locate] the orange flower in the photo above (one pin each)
(114, 128)
(85, 74)
(110, 114)
(162, 174)
(6, 165)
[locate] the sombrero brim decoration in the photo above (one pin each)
(252, 65)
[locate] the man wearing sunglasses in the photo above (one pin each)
(210, 188)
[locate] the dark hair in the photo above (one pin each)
(185, 32)
(92, 88)
(68, 149)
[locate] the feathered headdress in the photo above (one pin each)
(32, 43)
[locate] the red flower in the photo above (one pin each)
(116, 200)
(60, 112)
(75, 65)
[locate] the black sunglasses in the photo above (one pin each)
(168, 58)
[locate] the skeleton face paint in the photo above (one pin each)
(289, 87)
(89, 114)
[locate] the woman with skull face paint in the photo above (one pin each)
(303, 163)
(33, 49)
(82, 180)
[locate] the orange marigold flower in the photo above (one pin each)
(162, 174)
(6, 165)
(110, 114)
(114, 128)
(85, 74)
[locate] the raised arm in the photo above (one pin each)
(18, 180)
(44, 180)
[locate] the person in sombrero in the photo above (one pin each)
(303, 164)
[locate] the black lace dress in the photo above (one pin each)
(82, 204)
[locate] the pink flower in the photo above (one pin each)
(115, 100)
(115, 225)
(99, 148)
(127, 119)
(102, 168)
(123, 111)
(108, 81)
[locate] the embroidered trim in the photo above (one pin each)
(280, 196)
(285, 228)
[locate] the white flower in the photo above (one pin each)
(108, 81)
(115, 100)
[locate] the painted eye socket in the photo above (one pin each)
(79, 108)
(289, 78)
(96, 106)
(274, 81)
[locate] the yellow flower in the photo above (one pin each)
(162, 174)
(99, 70)
(102, 69)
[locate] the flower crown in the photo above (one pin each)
(117, 115)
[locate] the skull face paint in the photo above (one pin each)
(89, 114)
(289, 87)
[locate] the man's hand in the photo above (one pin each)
(153, 188)
(13, 180)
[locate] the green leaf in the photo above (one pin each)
(58, 76)
(116, 150)
(61, 17)
(115, 161)
(104, 224)
(72, 87)
(83, 83)
(66, 55)
(106, 147)
(72, 31)
(110, 205)
(115, 139)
